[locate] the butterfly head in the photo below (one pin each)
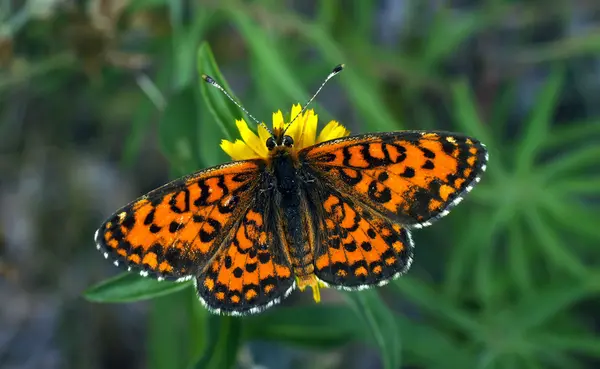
(286, 136)
(279, 139)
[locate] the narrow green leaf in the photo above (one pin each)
(210, 134)
(143, 116)
(571, 133)
(536, 130)
(564, 48)
(185, 40)
(573, 216)
(224, 111)
(582, 344)
(198, 326)
(536, 309)
(223, 343)
(570, 162)
(579, 185)
(168, 332)
(363, 91)
(326, 13)
(551, 245)
(501, 110)
(432, 302)
(462, 258)
(379, 321)
(270, 63)
(178, 128)
(316, 326)
(128, 287)
(466, 117)
(446, 34)
(518, 259)
(423, 337)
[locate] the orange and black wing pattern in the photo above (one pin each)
(175, 230)
(410, 177)
(250, 272)
(358, 248)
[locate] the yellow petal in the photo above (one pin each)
(296, 109)
(263, 134)
(332, 131)
(278, 120)
(310, 129)
(237, 150)
(294, 130)
(254, 143)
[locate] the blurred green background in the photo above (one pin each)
(101, 101)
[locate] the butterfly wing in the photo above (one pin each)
(358, 247)
(250, 272)
(410, 177)
(173, 231)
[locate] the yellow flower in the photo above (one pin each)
(303, 131)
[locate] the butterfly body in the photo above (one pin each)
(338, 214)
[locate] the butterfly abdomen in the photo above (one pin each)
(299, 250)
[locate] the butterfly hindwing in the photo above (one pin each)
(251, 271)
(412, 177)
(174, 230)
(357, 247)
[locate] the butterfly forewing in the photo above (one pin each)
(174, 230)
(412, 177)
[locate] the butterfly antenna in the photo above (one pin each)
(335, 71)
(212, 82)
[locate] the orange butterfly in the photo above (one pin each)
(295, 210)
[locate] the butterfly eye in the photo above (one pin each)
(270, 143)
(288, 141)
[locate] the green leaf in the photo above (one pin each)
(537, 128)
(270, 63)
(580, 158)
(550, 244)
(573, 216)
(461, 261)
(224, 111)
(128, 287)
(223, 343)
(569, 134)
(579, 185)
(364, 91)
(422, 337)
(178, 129)
(379, 321)
(185, 40)
(518, 258)
(447, 33)
(537, 308)
(583, 344)
(466, 117)
(170, 330)
(317, 326)
(431, 301)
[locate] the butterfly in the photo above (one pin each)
(295, 211)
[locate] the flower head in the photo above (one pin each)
(303, 131)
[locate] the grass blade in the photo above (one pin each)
(379, 321)
(128, 287)
(537, 128)
(316, 326)
(224, 111)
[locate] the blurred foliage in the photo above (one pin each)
(510, 279)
